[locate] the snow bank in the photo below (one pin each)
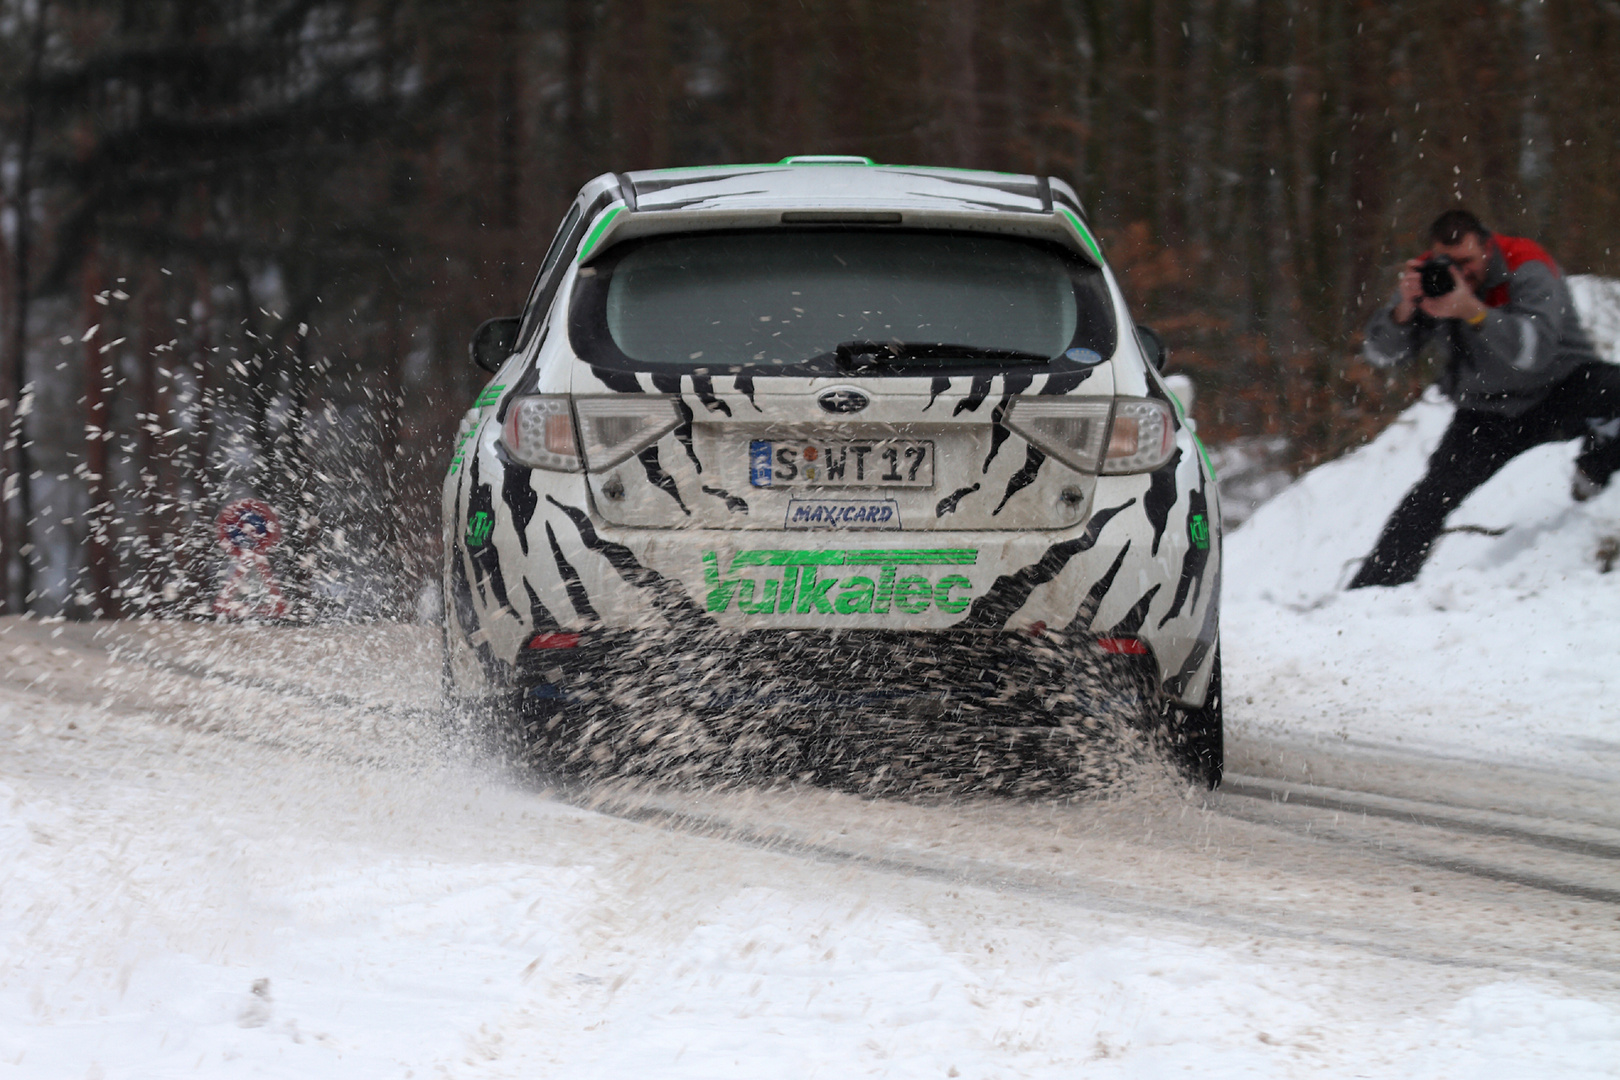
(1501, 650)
(1598, 300)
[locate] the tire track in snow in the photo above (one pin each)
(1072, 893)
(1410, 854)
(1433, 816)
(1418, 812)
(1172, 899)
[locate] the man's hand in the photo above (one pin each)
(1410, 291)
(1459, 303)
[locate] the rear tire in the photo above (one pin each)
(1198, 743)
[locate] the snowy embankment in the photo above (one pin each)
(1504, 647)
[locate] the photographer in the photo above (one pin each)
(1520, 368)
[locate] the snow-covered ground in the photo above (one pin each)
(232, 854)
(175, 902)
(1504, 647)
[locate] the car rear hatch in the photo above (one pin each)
(842, 378)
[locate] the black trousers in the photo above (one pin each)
(1477, 445)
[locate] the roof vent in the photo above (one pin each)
(826, 159)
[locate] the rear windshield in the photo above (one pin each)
(820, 300)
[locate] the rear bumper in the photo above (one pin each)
(976, 678)
(1144, 565)
(874, 712)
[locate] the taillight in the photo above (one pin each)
(1069, 429)
(613, 428)
(539, 432)
(1142, 438)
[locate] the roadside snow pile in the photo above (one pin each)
(1501, 650)
(1598, 300)
(1251, 474)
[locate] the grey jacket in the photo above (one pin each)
(1530, 341)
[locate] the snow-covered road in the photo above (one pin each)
(243, 852)
(248, 852)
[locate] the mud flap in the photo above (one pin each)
(1197, 737)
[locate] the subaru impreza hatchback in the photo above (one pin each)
(827, 463)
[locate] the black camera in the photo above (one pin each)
(1436, 274)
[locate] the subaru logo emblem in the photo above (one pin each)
(843, 399)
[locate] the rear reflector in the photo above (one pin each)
(554, 641)
(1122, 646)
(615, 427)
(1070, 429)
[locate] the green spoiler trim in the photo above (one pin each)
(1203, 451)
(826, 159)
(596, 233)
(1085, 233)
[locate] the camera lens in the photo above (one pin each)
(1436, 275)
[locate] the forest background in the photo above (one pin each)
(245, 241)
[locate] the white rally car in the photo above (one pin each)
(831, 467)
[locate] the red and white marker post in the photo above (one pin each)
(248, 529)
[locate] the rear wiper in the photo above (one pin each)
(861, 355)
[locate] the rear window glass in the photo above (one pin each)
(836, 299)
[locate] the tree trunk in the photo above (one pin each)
(577, 35)
(151, 420)
(97, 419)
(389, 401)
(196, 543)
(297, 504)
(961, 25)
(18, 569)
(8, 399)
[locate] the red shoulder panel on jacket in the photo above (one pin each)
(1517, 251)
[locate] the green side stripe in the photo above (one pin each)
(596, 233)
(1085, 233)
(1203, 452)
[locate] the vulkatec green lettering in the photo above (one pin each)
(882, 581)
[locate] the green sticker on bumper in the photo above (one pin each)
(479, 526)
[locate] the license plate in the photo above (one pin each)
(875, 463)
